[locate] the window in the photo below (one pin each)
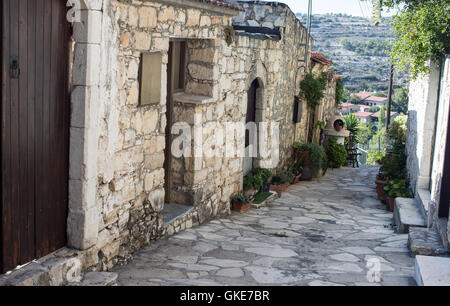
(150, 78)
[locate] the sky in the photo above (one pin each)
(350, 7)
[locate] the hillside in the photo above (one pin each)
(357, 48)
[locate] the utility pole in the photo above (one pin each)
(388, 111)
(308, 34)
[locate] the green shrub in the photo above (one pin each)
(318, 157)
(398, 127)
(337, 155)
(253, 181)
(257, 182)
(248, 182)
(398, 189)
(375, 158)
(313, 88)
(241, 198)
(264, 173)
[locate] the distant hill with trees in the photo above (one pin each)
(358, 49)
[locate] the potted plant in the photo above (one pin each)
(315, 160)
(241, 203)
(338, 125)
(257, 183)
(266, 175)
(381, 182)
(297, 170)
(302, 153)
(337, 155)
(396, 189)
(248, 185)
(280, 183)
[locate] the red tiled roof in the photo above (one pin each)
(345, 104)
(377, 114)
(362, 95)
(376, 99)
(363, 114)
(364, 106)
(320, 58)
(222, 3)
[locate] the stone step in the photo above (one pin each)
(423, 199)
(424, 241)
(98, 279)
(432, 271)
(407, 214)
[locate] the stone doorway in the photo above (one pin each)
(253, 117)
(176, 81)
(444, 201)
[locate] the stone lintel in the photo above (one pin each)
(192, 99)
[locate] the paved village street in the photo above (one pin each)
(331, 231)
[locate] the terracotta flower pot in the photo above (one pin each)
(391, 204)
(279, 189)
(241, 207)
(303, 155)
(380, 189)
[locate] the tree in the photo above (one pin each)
(400, 101)
(340, 92)
(354, 99)
(421, 31)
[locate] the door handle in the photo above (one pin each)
(14, 68)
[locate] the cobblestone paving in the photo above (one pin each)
(325, 232)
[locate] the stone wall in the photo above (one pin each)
(117, 190)
(442, 225)
(426, 136)
(130, 191)
(327, 108)
(423, 96)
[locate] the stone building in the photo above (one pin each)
(428, 162)
(137, 68)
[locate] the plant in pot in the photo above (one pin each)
(396, 189)
(337, 155)
(381, 181)
(266, 175)
(249, 189)
(297, 170)
(280, 182)
(241, 203)
(302, 153)
(338, 125)
(257, 183)
(316, 160)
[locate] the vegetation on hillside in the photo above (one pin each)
(421, 32)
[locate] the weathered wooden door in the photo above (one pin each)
(34, 129)
(444, 203)
(250, 117)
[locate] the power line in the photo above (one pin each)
(362, 11)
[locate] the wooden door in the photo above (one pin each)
(444, 201)
(250, 117)
(34, 129)
(176, 79)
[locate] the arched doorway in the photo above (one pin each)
(253, 115)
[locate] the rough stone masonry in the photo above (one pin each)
(117, 146)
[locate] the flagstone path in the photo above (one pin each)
(331, 231)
